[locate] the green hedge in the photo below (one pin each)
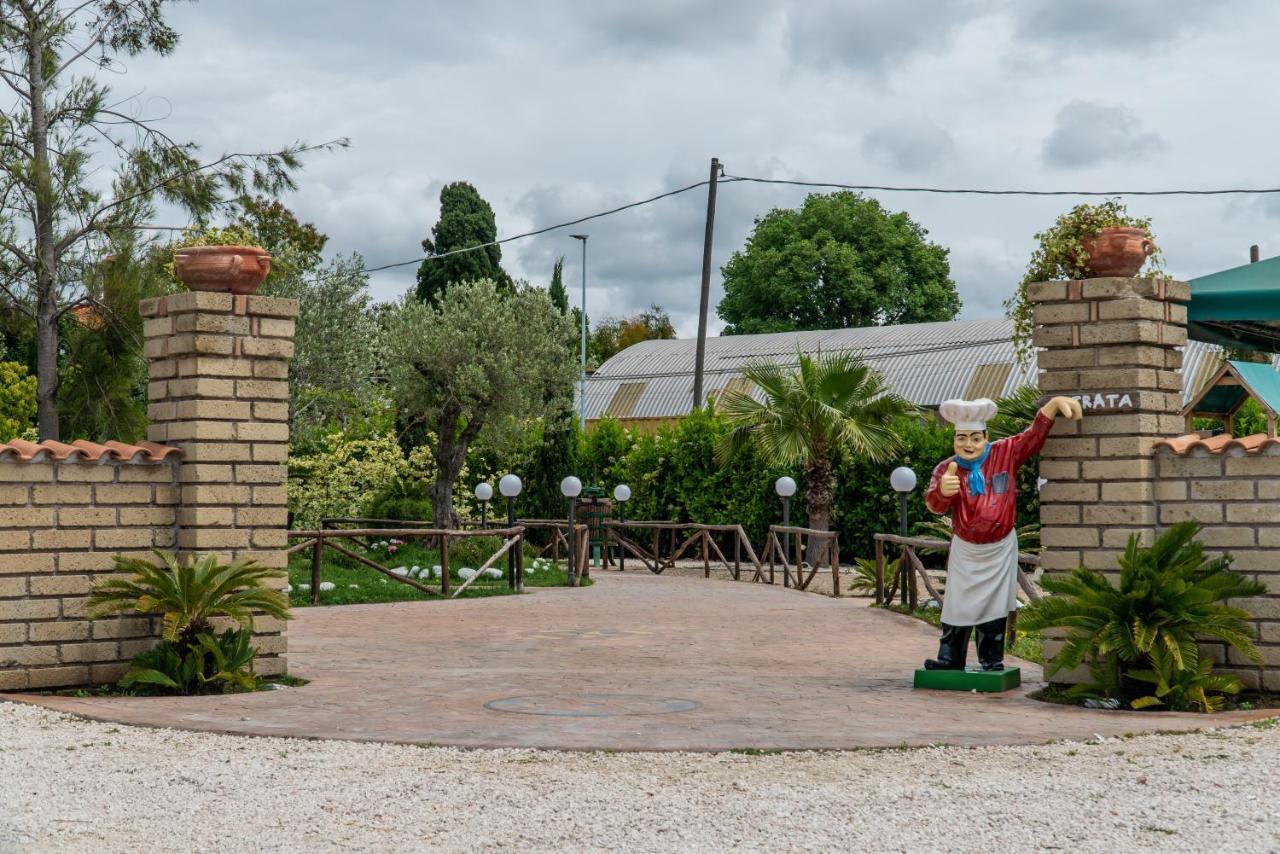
(674, 474)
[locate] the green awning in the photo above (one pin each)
(1238, 308)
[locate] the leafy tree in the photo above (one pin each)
(830, 402)
(103, 392)
(466, 220)
(612, 336)
(63, 133)
(559, 295)
(479, 359)
(840, 260)
(337, 365)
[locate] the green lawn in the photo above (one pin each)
(354, 583)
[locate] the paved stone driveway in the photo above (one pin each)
(635, 662)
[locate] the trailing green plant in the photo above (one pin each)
(1145, 628)
(188, 596)
(211, 664)
(1060, 254)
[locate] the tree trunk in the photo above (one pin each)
(450, 454)
(46, 254)
(820, 496)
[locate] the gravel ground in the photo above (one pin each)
(72, 785)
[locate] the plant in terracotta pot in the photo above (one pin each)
(1088, 241)
(228, 260)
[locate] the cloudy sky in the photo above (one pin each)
(555, 110)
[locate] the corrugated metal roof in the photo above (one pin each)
(926, 363)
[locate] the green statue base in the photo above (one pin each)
(973, 679)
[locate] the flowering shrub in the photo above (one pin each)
(345, 476)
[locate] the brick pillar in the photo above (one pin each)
(1113, 343)
(219, 390)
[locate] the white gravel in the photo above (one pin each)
(71, 785)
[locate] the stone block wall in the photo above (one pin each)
(61, 524)
(213, 480)
(1113, 344)
(1126, 467)
(1233, 489)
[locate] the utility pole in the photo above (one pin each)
(700, 358)
(582, 377)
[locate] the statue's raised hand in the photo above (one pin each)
(949, 483)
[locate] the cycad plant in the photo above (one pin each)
(191, 658)
(189, 595)
(827, 402)
(1145, 628)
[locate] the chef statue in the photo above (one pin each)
(978, 487)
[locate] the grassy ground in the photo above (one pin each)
(1029, 645)
(355, 583)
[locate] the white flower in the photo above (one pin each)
(304, 586)
(435, 571)
(493, 572)
(400, 570)
(326, 586)
(288, 588)
(466, 572)
(531, 568)
(354, 586)
(415, 571)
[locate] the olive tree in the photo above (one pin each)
(478, 360)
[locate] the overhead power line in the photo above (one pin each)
(538, 231)
(731, 179)
(979, 192)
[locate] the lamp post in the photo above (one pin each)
(484, 492)
(510, 486)
(785, 487)
(571, 488)
(582, 378)
(903, 481)
(622, 494)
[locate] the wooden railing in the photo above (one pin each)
(912, 572)
(559, 530)
(810, 548)
(625, 534)
(318, 541)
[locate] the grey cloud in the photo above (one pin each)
(661, 25)
(909, 144)
(1087, 133)
(871, 36)
(1100, 25)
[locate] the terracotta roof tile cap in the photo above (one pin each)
(82, 450)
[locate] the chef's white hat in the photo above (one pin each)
(968, 414)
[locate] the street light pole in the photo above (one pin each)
(786, 487)
(582, 378)
(903, 481)
(571, 488)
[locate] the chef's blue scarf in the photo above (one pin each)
(977, 484)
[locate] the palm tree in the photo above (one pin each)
(831, 401)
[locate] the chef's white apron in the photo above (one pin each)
(982, 581)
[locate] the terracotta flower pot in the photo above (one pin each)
(225, 269)
(1117, 251)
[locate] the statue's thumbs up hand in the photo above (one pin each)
(949, 483)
